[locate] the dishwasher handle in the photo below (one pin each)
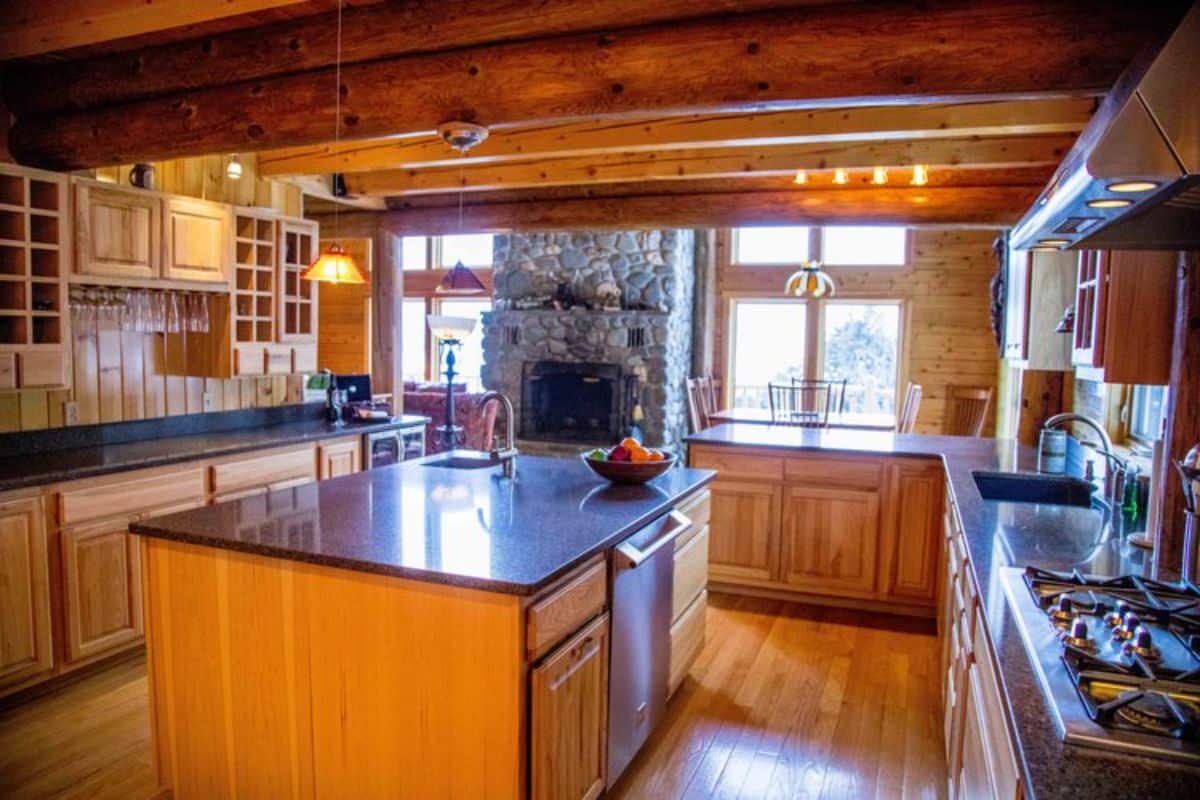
(635, 556)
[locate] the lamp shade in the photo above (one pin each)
(450, 329)
(809, 281)
(335, 265)
(460, 280)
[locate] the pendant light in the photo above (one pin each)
(810, 281)
(462, 136)
(335, 265)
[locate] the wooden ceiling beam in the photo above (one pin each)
(32, 27)
(593, 137)
(386, 30)
(840, 55)
(958, 206)
(729, 163)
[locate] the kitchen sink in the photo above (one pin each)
(1029, 487)
(461, 459)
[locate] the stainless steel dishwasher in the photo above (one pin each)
(643, 573)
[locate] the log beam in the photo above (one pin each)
(728, 163)
(601, 137)
(841, 55)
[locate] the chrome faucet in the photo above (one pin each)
(1116, 468)
(506, 455)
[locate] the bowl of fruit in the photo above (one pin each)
(628, 462)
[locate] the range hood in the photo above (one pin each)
(1132, 180)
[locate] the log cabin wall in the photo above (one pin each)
(117, 375)
(344, 332)
(947, 335)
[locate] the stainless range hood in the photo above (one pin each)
(1132, 180)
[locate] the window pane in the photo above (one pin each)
(771, 245)
(472, 249)
(412, 252)
(469, 357)
(858, 246)
(413, 333)
(768, 347)
(1145, 419)
(861, 344)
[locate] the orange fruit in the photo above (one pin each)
(641, 454)
(656, 455)
(629, 443)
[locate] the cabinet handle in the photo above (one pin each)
(580, 655)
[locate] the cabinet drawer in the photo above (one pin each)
(687, 640)
(42, 368)
(131, 496)
(265, 470)
(697, 508)
(739, 465)
(569, 605)
(8, 371)
(279, 360)
(304, 358)
(1000, 758)
(848, 473)
(691, 572)
(249, 359)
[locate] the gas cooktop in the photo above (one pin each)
(1118, 658)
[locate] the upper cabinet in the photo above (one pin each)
(1040, 286)
(1124, 310)
(297, 297)
(117, 231)
(197, 239)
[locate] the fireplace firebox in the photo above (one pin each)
(574, 402)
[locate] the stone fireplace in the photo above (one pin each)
(580, 374)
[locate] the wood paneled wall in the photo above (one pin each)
(118, 375)
(344, 327)
(945, 288)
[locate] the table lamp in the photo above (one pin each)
(449, 332)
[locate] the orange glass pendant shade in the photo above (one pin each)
(334, 265)
(809, 281)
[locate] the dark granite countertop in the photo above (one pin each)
(999, 535)
(463, 527)
(72, 463)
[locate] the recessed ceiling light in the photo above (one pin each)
(801, 177)
(1133, 186)
(1054, 242)
(879, 176)
(1043, 249)
(920, 175)
(840, 177)
(1109, 202)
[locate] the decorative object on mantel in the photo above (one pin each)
(334, 265)
(142, 176)
(608, 295)
(809, 281)
(450, 333)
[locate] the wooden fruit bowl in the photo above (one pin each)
(629, 473)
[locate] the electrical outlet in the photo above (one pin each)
(71, 412)
(208, 401)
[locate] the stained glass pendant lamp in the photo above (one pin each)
(809, 281)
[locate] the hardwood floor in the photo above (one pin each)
(785, 701)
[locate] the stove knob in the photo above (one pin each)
(1142, 639)
(1079, 630)
(1117, 616)
(1129, 627)
(1065, 604)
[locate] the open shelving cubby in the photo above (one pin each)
(33, 228)
(254, 291)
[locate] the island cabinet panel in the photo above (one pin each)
(916, 540)
(687, 640)
(569, 722)
(568, 606)
(102, 584)
(830, 540)
(117, 231)
(273, 678)
(341, 457)
(743, 530)
(25, 634)
(198, 238)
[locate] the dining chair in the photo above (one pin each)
(837, 391)
(966, 409)
(906, 421)
(702, 402)
(806, 406)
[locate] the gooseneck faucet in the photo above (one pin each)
(506, 455)
(1116, 467)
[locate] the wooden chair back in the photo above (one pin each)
(804, 405)
(837, 392)
(966, 409)
(906, 420)
(702, 402)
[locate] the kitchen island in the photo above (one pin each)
(1014, 748)
(413, 631)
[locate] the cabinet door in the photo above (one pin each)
(1016, 305)
(25, 650)
(297, 311)
(102, 579)
(569, 718)
(198, 236)
(340, 458)
(915, 509)
(117, 231)
(830, 540)
(1091, 304)
(743, 531)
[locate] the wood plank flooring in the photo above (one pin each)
(785, 701)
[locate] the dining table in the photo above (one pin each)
(844, 419)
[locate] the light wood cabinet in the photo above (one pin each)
(1040, 288)
(1016, 304)
(197, 239)
(276, 469)
(117, 231)
(743, 530)
(916, 512)
(102, 582)
(341, 457)
(25, 634)
(565, 608)
(687, 640)
(569, 718)
(297, 307)
(42, 369)
(830, 540)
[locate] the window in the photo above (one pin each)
(862, 344)
(781, 245)
(861, 246)
(414, 342)
(768, 347)
(413, 252)
(1146, 412)
(469, 356)
(472, 249)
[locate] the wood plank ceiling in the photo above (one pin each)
(622, 112)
